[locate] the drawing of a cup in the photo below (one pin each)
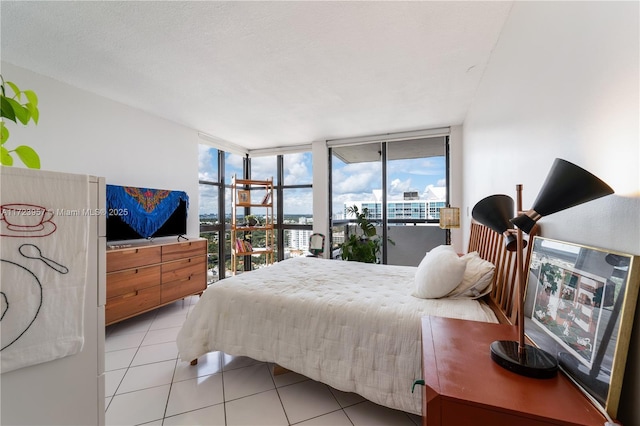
(24, 216)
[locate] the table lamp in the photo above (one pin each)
(567, 185)
(449, 219)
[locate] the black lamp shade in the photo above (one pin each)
(567, 185)
(494, 212)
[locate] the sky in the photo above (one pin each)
(352, 182)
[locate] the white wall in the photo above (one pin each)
(321, 192)
(563, 81)
(456, 184)
(79, 132)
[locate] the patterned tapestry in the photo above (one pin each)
(145, 210)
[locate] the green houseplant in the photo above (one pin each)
(251, 220)
(18, 106)
(364, 245)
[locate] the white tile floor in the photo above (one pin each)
(147, 384)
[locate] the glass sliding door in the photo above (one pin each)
(402, 184)
(416, 190)
(356, 182)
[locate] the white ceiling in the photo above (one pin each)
(266, 74)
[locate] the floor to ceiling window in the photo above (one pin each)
(293, 199)
(295, 183)
(356, 181)
(260, 168)
(210, 212)
(416, 191)
(403, 184)
(293, 206)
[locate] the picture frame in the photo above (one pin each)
(579, 307)
(244, 196)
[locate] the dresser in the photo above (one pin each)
(463, 386)
(144, 275)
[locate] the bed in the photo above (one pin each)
(350, 325)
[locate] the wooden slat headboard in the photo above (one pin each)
(490, 245)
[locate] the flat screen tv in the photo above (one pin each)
(145, 213)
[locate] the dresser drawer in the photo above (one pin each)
(133, 258)
(145, 276)
(129, 304)
(183, 250)
(130, 280)
(181, 270)
(196, 283)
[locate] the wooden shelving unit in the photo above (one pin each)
(257, 197)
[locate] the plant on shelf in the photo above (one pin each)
(250, 220)
(22, 106)
(364, 245)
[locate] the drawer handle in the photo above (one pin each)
(132, 294)
(417, 382)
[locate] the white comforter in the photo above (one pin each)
(351, 325)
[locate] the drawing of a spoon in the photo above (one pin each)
(31, 251)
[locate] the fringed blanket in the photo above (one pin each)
(145, 210)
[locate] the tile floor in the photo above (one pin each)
(147, 384)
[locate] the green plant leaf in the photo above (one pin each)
(4, 133)
(33, 112)
(6, 110)
(5, 157)
(14, 87)
(28, 156)
(21, 112)
(31, 97)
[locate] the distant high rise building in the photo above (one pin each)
(299, 239)
(428, 207)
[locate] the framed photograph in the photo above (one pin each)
(579, 307)
(244, 196)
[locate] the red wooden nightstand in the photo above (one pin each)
(463, 386)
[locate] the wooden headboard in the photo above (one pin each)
(490, 245)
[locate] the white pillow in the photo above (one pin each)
(439, 272)
(477, 278)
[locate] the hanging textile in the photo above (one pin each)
(44, 235)
(145, 210)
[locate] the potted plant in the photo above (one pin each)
(250, 220)
(363, 245)
(17, 105)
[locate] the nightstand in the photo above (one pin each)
(463, 386)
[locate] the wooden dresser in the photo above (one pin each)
(143, 276)
(463, 386)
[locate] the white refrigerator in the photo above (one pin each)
(63, 381)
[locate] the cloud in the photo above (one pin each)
(207, 163)
(208, 199)
(398, 187)
(356, 178)
(264, 167)
(296, 171)
(298, 201)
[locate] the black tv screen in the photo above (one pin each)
(144, 213)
